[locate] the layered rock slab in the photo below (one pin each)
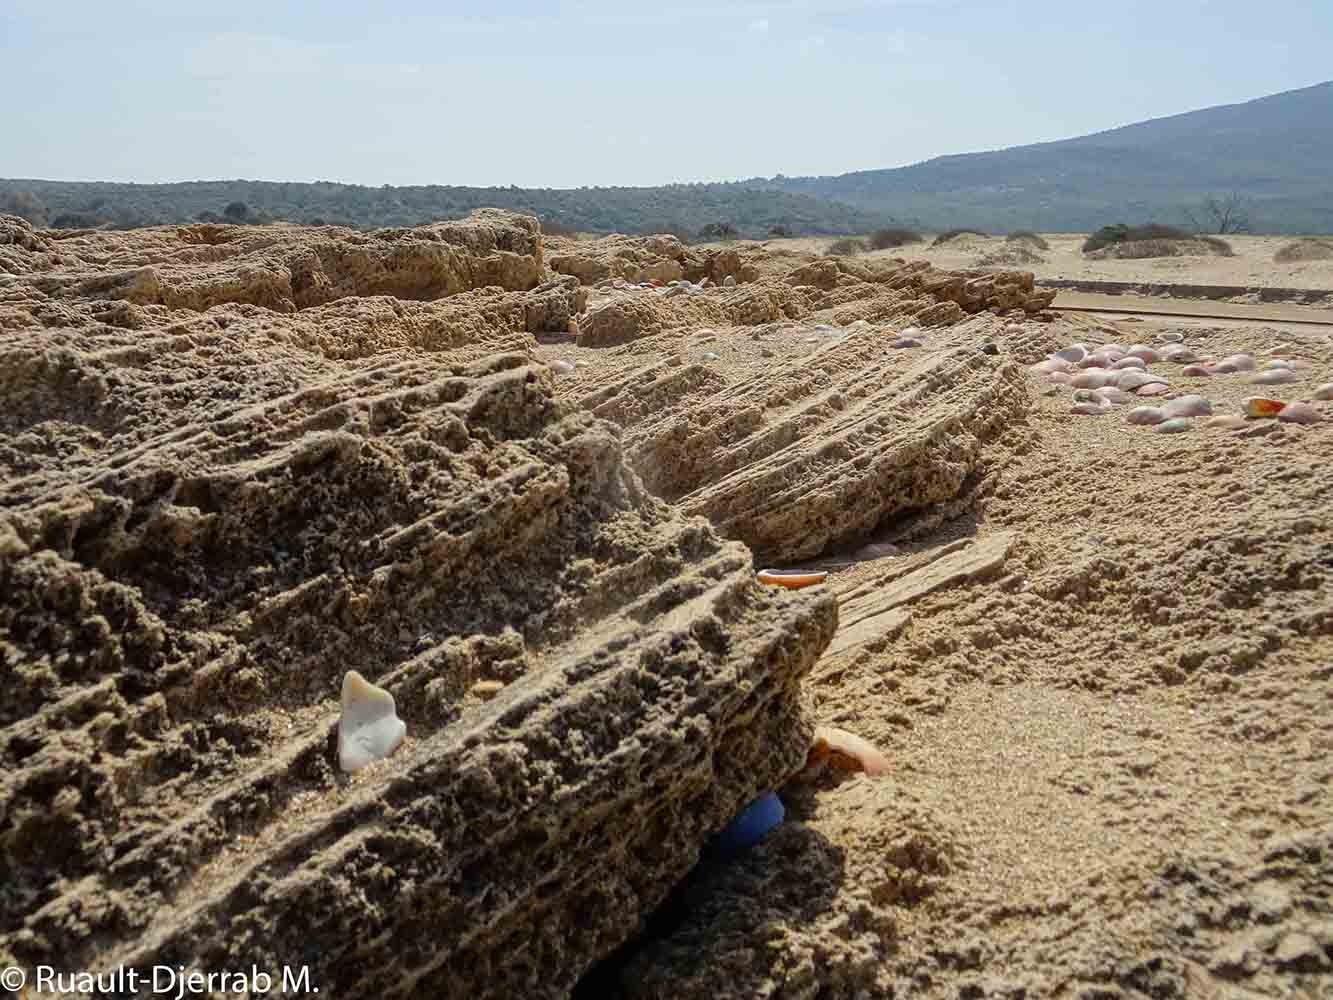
(207, 519)
(798, 458)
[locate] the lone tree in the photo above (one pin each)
(237, 211)
(718, 231)
(1228, 214)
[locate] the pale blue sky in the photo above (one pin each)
(601, 92)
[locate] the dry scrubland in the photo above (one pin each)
(494, 474)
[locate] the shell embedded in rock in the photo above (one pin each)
(1153, 389)
(792, 579)
(1130, 362)
(1146, 415)
(1262, 406)
(1073, 354)
(1144, 353)
(846, 750)
(1324, 392)
(369, 728)
(1188, 406)
(1274, 376)
(1299, 413)
(1173, 426)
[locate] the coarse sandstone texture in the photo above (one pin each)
(206, 517)
(285, 268)
(800, 457)
(644, 258)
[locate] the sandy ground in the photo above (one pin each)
(1098, 658)
(1108, 751)
(1253, 264)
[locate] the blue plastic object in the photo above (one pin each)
(750, 826)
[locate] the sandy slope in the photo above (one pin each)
(1253, 264)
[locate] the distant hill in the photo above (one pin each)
(1275, 151)
(685, 209)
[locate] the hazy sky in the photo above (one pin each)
(602, 92)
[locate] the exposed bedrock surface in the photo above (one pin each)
(207, 517)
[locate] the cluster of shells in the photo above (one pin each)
(1111, 375)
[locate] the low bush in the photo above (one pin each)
(845, 248)
(1030, 239)
(953, 234)
(1121, 233)
(884, 239)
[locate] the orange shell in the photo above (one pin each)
(847, 750)
(1262, 406)
(790, 579)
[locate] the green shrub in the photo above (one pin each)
(883, 239)
(845, 248)
(1121, 233)
(952, 234)
(1031, 239)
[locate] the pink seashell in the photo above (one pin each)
(1062, 378)
(1195, 371)
(1242, 362)
(1226, 422)
(1179, 355)
(1093, 378)
(1274, 376)
(1299, 413)
(1324, 392)
(1222, 368)
(1154, 389)
(1146, 415)
(846, 750)
(1124, 363)
(1145, 353)
(1131, 380)
(1188, 406)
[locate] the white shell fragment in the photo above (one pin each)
(1324, 392)
(1188, 406)
(1073, 354)
(369, 729)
